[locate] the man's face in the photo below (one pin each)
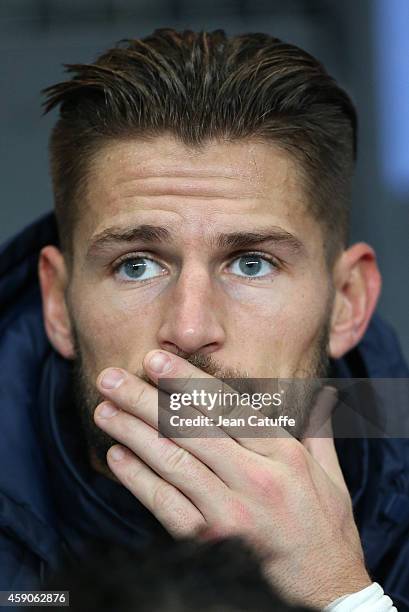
(210, 253)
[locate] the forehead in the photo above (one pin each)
(229, 184)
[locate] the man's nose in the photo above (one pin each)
(192, 315)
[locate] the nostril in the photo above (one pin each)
(172, 348)
(209, 348)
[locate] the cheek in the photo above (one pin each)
(281, 323)
(116, 328)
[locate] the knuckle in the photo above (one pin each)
(185, 383)
(132, 473)
(163, 496)
(294, 456)
(176, 460)
(267, 483)
(138, 397)
(180, 383)
(238, 517)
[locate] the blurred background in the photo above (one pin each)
(363, 43)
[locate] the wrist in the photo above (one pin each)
(370, 599)
(342, 586)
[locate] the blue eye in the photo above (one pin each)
(138, 268)
(252, 266)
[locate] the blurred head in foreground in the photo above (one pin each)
(171, 576)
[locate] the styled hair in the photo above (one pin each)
(200, 87)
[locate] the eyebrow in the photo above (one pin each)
(113, 236)
(240, 240)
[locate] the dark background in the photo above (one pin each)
(363, 43)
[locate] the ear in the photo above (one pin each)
(357, 282)
(53, 278)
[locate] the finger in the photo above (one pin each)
(170, 461)
(159, 363)
(203, 460)
(139, 398)
(172, 509)
(136, 396)
(182, 377)
(178, 375)
(218, 451)
(129, 392)
(225, 456)
(324, 452)
(231, 462)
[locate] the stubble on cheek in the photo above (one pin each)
(86, 398)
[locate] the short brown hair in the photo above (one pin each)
(200, 87)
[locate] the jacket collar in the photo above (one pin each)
(88, 502)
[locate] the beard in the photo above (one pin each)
(299, 399)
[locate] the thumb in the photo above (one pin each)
(319, 437)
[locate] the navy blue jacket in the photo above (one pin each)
(50, 499)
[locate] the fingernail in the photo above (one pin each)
(160, 363)
(106, 411)
(112, 379)
(117, 453)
